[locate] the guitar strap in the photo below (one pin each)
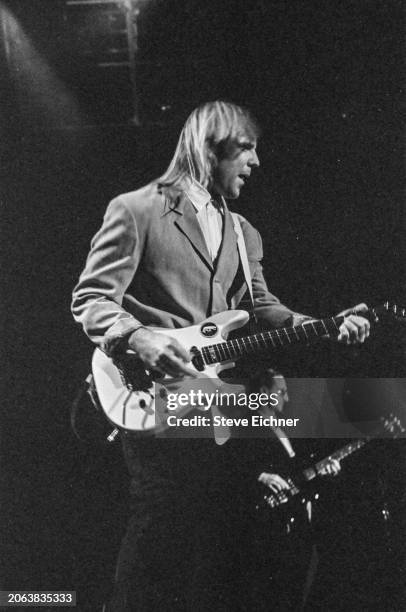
(279, 433)
(242, 250)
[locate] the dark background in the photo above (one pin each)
(325, 80)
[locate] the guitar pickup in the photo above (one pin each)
(197, 359)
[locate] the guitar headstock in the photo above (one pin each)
(392, 425)
(390, 310)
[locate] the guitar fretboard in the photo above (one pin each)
(392, 424)
(341, 453)
(277, 338)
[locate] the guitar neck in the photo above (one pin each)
(339, 454)
(277, 338)
(391, 424)
(276, 499)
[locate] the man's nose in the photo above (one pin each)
(254, 160)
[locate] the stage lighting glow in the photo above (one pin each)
(38, 88)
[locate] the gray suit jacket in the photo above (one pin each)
(149, 265)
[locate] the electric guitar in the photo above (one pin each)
(127, 392)
(270, 500)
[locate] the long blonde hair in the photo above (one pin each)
(208, 128)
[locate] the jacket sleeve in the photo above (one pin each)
(269, 311)
(112, 261)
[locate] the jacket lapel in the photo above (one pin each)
(186, 222)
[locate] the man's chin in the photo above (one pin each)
(233, 195)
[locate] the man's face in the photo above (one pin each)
(234, 167)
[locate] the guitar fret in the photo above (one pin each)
(218, 352)
(244, 346)
(226, 350)
(287, 335)
(231, 344)
(205, 355)
(264, 339)
(278, 336)
(272, 339)
(221, 352)
(258, 341)
(240, 345)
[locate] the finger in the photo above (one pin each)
(361, 326)
(344, 334)
(183, 369)
(173, 366)
(360, 322)
(180, 351)
(358, 308)
(281, 482)
(273, 481)
(354, 329)
(332, 468)
(335, 467)
(166, 364)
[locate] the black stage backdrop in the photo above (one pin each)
(325, 81)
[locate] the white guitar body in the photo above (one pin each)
(128, 396)
(134, 410)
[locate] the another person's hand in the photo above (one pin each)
(332, 468)
(355, 328)
(276, 483)
(161, 353)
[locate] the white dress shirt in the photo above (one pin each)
(209, 216)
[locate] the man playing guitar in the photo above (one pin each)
(167, 256)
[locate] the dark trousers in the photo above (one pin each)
(182, 550)
(194, 542)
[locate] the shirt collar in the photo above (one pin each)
(198, 195)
